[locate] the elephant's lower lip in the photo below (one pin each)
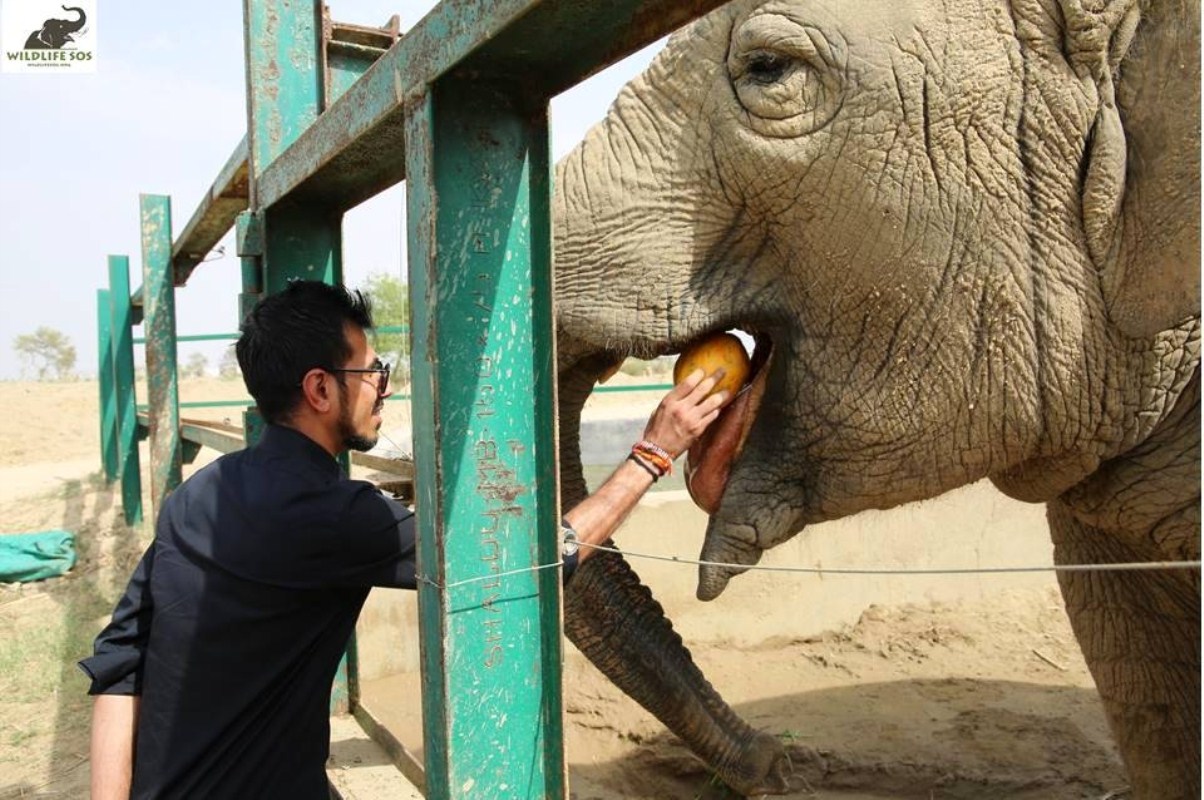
(709, 461)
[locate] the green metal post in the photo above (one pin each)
(159, 322)
(480, 273)
(302, 242)
(248, 238)
(284, 84)
(285, 93)
(123, 385)
(104, 377)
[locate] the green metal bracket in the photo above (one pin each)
(349, 50)
(104, 377)
(248, 237)
(480, 276)
(162, 378)
(121, 310)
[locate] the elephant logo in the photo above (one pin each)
(37, 37)
(55, 33)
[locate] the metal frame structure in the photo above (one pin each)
(457, 107)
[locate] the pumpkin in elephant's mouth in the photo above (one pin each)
(709, 461)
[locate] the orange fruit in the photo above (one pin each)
(717, 350)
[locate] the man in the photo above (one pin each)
(213, 677)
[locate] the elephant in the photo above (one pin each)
(55, 33)
(964, 236)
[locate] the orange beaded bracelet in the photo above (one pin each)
(654, 455)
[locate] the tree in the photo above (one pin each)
(46, 350)
(227, 368)
(196, 366)
(391, 308)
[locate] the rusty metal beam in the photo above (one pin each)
(209, 436)
(356, 149)
(226, 438)
(213, 219)
(214, 216)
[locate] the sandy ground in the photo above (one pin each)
(982, 700)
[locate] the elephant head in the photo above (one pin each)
(964, 235)
(55, 33)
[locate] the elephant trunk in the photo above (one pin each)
(77, 24)
(614, 620)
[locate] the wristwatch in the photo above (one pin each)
(568, 539)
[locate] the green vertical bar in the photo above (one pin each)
(283, 80)
(302, 242)
(159, 323)
(123, 386)
(104, 378)
(283, 41)
(478, 178)
(248, 237)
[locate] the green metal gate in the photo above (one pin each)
(458, 108)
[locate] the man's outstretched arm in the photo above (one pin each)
(114, 730)
(684, 413)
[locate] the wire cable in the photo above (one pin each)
(1119, 566)
(1126, 566)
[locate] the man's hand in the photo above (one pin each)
(685, 412)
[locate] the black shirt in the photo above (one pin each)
(234, 622)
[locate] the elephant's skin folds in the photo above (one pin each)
(614, 620)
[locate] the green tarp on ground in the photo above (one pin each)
(35, 556)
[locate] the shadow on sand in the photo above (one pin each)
(947, 739)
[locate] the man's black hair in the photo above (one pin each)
(291, 332)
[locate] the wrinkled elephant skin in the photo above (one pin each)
(965, 235)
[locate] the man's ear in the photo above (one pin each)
(317, 389)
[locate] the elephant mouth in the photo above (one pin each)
(709, 461)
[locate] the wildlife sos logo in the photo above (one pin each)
(45, 36)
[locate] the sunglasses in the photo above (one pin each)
(382, 370)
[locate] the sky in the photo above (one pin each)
(161, 114)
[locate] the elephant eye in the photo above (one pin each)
(787, 76)
(766, 67)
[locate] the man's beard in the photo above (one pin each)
(351, 439)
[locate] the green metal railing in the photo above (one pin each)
(457, 108)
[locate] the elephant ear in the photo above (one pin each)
(1141, 179)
